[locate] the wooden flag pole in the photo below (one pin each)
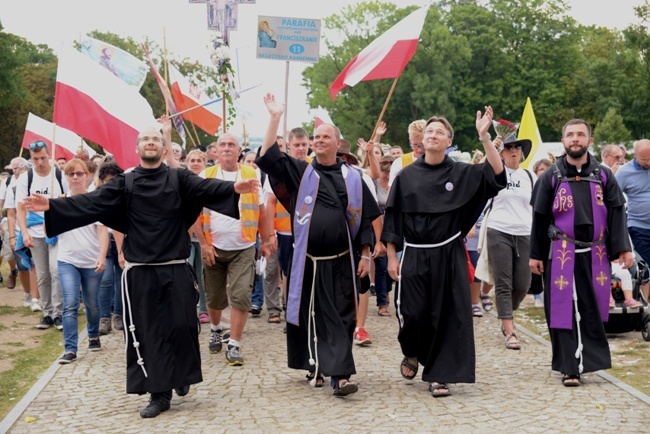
(223, 104)
(286, 103)
(53, 141)
(165, 68)
(383, 110)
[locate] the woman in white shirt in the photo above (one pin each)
(508, 237)
(81, 262)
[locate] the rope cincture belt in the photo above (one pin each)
(575, 305)
(125, 296)
(399, 276)
(312, 312)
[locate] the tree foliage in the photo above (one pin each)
(611, 129)
(498, 52)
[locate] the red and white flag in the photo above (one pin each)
(97, 105)
(188, 96)
(67, 142)
(386, 56)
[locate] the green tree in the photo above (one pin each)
(610, 130)
(27, 76)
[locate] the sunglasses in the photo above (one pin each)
(37, 146)
(23, 165)
(511, 147)
(73, 174)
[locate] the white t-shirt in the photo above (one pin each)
(6, 191)
(3, 188)
(47, 185)
(511, 211)
(79, 247)
(226, 232)
(394, 170)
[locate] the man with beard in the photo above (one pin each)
(579, 225)
(153, 206)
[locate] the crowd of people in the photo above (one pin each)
(312, 231)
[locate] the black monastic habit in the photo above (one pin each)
(334, 294)
(595, 351)
(428, 204)
(155, 221)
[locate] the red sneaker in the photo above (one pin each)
(361, 337)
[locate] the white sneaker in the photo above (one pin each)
(36, 307)
(27, 300)
(539, 302)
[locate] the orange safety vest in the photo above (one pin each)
(249, 209)
(282, 220)
(407, 159)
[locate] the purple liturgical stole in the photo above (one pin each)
(305, 204)
(563, 255)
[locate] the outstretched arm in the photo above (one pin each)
(483, 123)
(275, 110)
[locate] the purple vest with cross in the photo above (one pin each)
(307, 193)
(563, 253)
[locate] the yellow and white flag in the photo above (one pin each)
(528, 130)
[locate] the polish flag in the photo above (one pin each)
(386, 56)
(322, 117)
(187, 96)
(67, 142)
(95, 104)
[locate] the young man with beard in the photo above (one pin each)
(153, 206)
(579, 226)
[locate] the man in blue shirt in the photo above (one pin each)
(634, 180)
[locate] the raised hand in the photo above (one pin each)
(272, 106)
(365, 146)
(381, 129)
(483, 122)
(166, 124)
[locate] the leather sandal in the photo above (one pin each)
(512, 345)
(383, 311)
(438, 390)
(406, 363)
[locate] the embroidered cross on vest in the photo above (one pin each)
(307, 193)
(563, 250)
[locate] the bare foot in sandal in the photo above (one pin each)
(409, 367)
(439, 390)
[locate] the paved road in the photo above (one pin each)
(515, 392)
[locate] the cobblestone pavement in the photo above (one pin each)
(515, 392)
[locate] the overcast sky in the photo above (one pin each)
(60, 22)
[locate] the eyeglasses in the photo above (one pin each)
(73, 174)
(149, 139)
(37, 145)
(23, 165)
(511, 147)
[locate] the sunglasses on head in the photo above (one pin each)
(511, 147)
(37, 146)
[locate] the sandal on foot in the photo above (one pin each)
(320, 381)
(406, 363)
(512, 345)
(571, 380)
(486, 302)
(476, 311)
(383, 311)
(345, 387)
(274, 318)
(438, 390)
